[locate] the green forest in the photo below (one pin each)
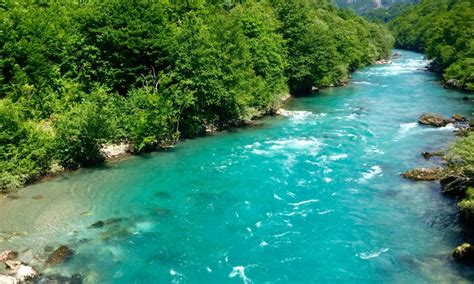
(75, 75)
(444, 31)
(363, 7)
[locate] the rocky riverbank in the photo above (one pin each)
(455, 175)
(16, 271)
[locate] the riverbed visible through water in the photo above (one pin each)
(313, 196)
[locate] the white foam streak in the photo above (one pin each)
(303, 202)
(373, 172)
(338, 157)
(369, 255)
(405, 127)
(240, 272)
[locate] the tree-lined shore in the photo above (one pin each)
(75, 75)
(444, 32)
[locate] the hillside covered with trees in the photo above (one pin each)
(367, 6)
(444, 31)
(386, 15)
(75, 75)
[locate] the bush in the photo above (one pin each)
(151, 120)
(25, 149)
(80, 131)
(464, 148)
(467, 206)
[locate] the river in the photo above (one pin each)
(314, 196)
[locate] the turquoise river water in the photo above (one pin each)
(311, 196)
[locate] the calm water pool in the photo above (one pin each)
(314, 196)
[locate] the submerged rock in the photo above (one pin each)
(37, 197)
(60, 255)
(8, 255)
(163, 195)
(100, 224)
(56, 278)
(427, 155)
(425, 174)
(432, 119)
(48, 249)
(464, 252)
(97, 225)
(162, 212)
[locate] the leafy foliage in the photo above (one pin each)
(385, 15)
(444, 30)
(464, 148)
(25, 149)
(368, 6)
(320, 55)
(77, 74)
(467, 205)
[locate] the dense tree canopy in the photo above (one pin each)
(444, 31)
(77, 74)
(367, 6)
(385, 15)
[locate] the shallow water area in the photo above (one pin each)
(313, 196)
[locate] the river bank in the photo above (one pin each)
(454, 174)
(302, 196)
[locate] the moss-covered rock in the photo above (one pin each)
(464, 253)
(467, 206)
(433, 119)
(60, 255)
(425, 174)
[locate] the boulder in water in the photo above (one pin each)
(8, 255)
(451, 83)
(37, 197)
(425, 174)
(13, 264)
(431, 119)
(20, 271)
(97, 225)
(427, 155)
(464, 252)
(56, 278)
(459, 118)
(101, 224)
(60, 255)
(25, 272)
(281, 111)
